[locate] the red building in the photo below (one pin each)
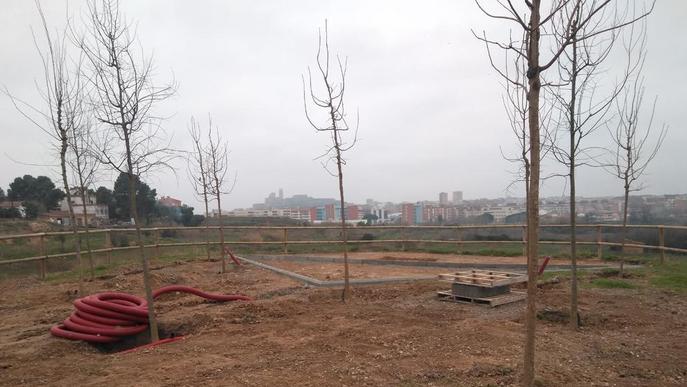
(352, 213)
(408, 213)
(169, 202)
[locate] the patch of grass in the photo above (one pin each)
(608, 283)
(671, 275)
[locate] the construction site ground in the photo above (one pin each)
(394, 334)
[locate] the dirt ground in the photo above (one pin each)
(398, 335)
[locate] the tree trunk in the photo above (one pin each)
(221, 230)
(344, 235)
(573, 208)
(624, 233)
(533, 199)
(152, 321)
(207, 225)
(72, 218)
(85, 224)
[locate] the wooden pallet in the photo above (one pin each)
(484, 277)
(491, 301)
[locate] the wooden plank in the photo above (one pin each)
(487, 273)
(485, 281)
(484, 277)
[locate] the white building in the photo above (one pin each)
(95, 213)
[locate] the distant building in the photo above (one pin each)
(457, 197)
(95, 213)
(443, 199)
(169, 202)
(408, 213)
(419, 213)
(296, 201)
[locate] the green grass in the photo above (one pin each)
(672, 275)
(611, 283)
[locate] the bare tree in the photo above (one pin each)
(199, 176)
(83, 167)
(61, 93)
(217, 155)
(332, 101)
(123, 97)
(584, 108)
(528, 18)
(633, 148)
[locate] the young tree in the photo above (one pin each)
(123, 96)
(584, 108)
(633, 150)
(217, 155)
(332, 102)
(61, 93)
(198, 174)
(84, 167)
(527, 17)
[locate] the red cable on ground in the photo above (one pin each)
(109, 316)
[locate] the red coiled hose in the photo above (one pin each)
(108, 317)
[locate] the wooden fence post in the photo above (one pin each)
(157, 243)
(599, 246)
(43, 262)
(285, 239)
(108, 246)
(662, 243)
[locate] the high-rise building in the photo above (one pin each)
(408, 213)
(281, 194)
(457, 197)
(443, 198)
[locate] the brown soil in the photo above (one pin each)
(386, 335)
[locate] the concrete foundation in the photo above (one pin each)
(474, 291)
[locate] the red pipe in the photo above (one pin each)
(231, 255)
(109, 316)
(543, 265)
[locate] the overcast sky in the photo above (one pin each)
(431, 117)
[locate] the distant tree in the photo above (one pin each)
(633, 150)
(40, 190)
(31, 209)
(145, 199)
(2, 195)
(105, 196)
(584, 109)
(10, 213)
(83, 167)
(217, 156)
(166, 213)
(334, 123)
(198, 173)
(188, 219)
(61, 90)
